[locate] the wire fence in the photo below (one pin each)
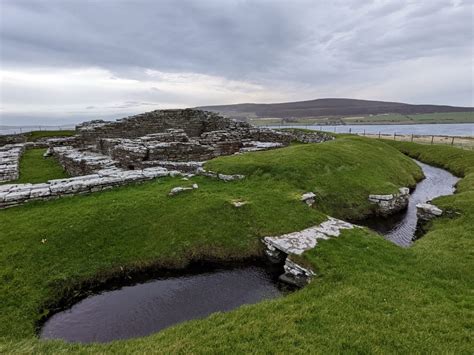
(464, 142)
(26, 129)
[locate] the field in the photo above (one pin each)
(450, 117)
(458, 142)
(370, 295)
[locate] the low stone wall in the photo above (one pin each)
(303, 136)
(12, 139)
(392, 203)
(10, 155)
(15, 194)
(77, 162)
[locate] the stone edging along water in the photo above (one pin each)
(280, 248)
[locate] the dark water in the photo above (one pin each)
(145, 308)
(437, 129)
(400, 228)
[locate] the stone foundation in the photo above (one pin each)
(15, 194)
(392, 203)
(80, 162)
(10, 155)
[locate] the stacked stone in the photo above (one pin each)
(15, 194)
(281, 248)
(10, 155)
(253, 146)
(80, 162)
(309, 137)
(392, 203)
(224, 142)
(193, 122)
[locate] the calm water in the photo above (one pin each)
(400, 228)
(448, 129)
(146, 308)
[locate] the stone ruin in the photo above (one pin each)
(138, 148)
(168, 138)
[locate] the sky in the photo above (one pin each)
(66, 61)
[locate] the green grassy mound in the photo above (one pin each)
(34, 168)
(370, 296)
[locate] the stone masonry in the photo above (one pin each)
(280, 248)
(392, 203)
(164, 137)
(9, 161)
(106, 154)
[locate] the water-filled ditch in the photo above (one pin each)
(147, 307)
(400, 228)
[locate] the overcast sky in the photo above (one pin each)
(65, 61)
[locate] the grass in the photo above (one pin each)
(34, 168)
(33, 136)
(370, 297)
(392, 118)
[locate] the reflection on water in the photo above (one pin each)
(400, 228)
(146, 308)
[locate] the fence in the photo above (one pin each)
(464, 142)
(26, 129)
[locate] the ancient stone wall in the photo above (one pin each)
(77, 162)
(392, 203)
(192, 122)
(10, 155)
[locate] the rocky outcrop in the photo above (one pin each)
(427, 211)
(392, 203)
(279, 248)
(10, 155)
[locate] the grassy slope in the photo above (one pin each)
(393, 118)
(35, 135)
(370, 296)
(35, 169)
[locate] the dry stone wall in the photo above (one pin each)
(10, 155)
(15, 194)
(392, 203)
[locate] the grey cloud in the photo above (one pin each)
(323, 47)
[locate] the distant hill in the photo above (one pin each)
(328, 107)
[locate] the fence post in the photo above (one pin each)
(379, 134)
(412, 137)
(394, 135)
(350, 130)
(452, 141)
(432, 137)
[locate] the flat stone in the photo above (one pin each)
(298, 242)
(427, 211)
